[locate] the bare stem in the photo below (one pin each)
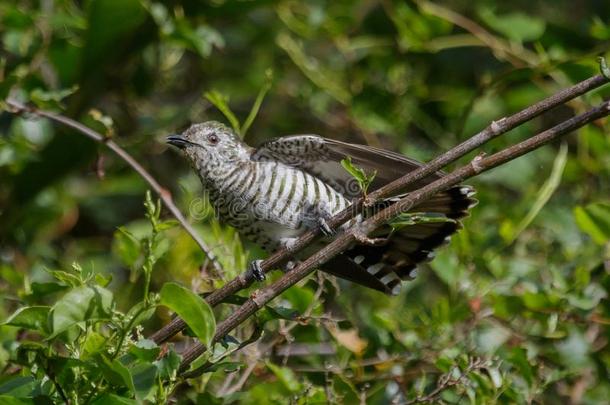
(494, 130)
(19, 108)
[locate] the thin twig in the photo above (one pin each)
(494, 130)
(19, 108)
(478, 165)
(447, 381)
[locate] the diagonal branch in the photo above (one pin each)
(19, 108)
(477, 166)
(494, 130)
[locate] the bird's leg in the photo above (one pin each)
(291, 264)
(362, 238)
(257, 272)
(325, 228)
(317, 215)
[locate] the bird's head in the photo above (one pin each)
(210, 146)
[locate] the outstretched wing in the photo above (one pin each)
(322, 158)
(380, 267)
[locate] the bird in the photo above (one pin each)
(275, 192)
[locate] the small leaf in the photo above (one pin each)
(94, 343)
(103, 280)
(112, 399)
(516, 26)
(140, 312)
(106, 122)
(65, 277)
(225, 366)
(286, 377)
(79, 305)
(32, 318)
(50, 98)
(192, 309)
(145, 350)
(42, 289)
(17, 386)
(594, 220)
(167, 225)
(280, 313)
(143, 376)
(364, 180)
(168, 365)
(127, 246)
(257, 103)
(118, 374)
(220, 101)
(11, 400)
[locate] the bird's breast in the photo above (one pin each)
(270, 200)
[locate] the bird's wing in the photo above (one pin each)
(380, 267)
(322, 158)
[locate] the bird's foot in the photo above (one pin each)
(325, 228)
(291, 264)
(257, 272)
(363, 239)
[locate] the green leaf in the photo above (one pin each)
(42, 289)
(518, 358)
(140, 313)
(594, 220)
(257, 103)
(143, 376)
(17, 386)
(145, 350)
(103, 280)
(51, 99)
(80, 304)
(192, 309)
(286, 377)
(112, 399)
(94, 343)
(516, 26)
(225, 366)
(364, 180)
(70, 279)
(168, 365)
(167, 225)
(10, 400)
(116, 373)
(203, 39)
(127, 246)
(280, 313)
(220, 101)
(32, 318)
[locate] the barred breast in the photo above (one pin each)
(270, 202)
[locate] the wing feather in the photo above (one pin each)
(378, 267)
(322, 157)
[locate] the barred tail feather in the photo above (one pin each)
(384, 267)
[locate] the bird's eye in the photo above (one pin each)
(213, 139)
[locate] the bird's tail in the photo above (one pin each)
(384, 267)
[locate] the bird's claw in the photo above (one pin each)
(325, 228)
(257, 272)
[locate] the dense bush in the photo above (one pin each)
(515, 310)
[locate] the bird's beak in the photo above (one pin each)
(177, 140)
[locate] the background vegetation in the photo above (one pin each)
(515, 310)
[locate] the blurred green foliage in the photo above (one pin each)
(514, 310)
